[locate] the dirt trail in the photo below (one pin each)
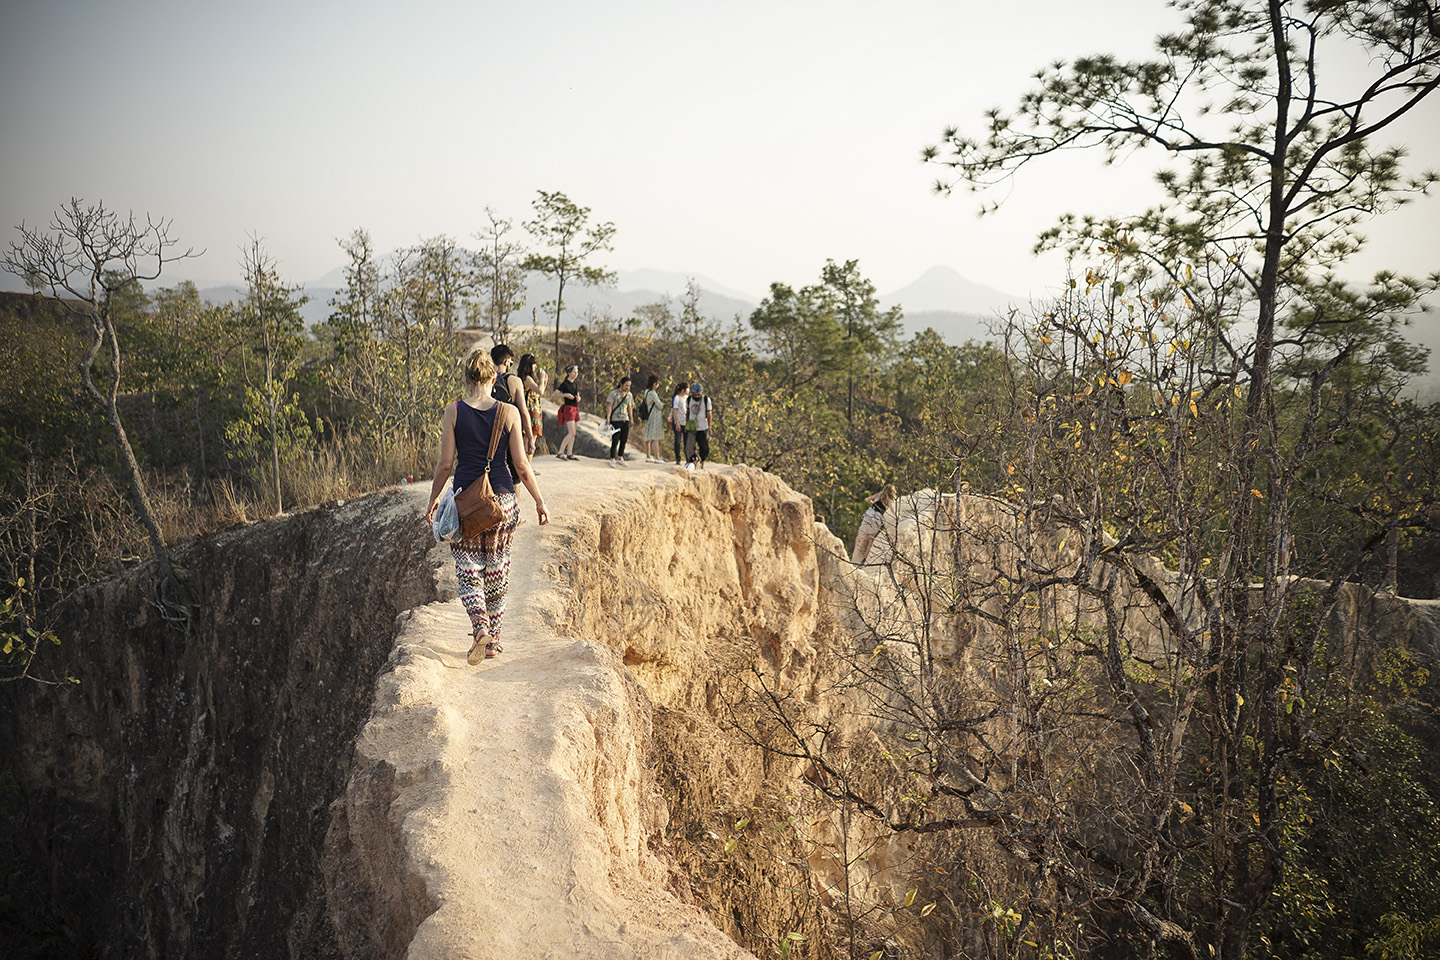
(524, 811)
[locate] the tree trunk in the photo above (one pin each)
(559, 305)
(109, 407)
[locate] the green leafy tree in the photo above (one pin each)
(827, 329)
(182, 346)
(352, 320)
(273, 330)
(391, 352)
(413, 325)
(442, 271)
(850, 298)
(802, 337)
(564, 227)
(1276, 139)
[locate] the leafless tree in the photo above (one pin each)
(88, 254)
(498, 273)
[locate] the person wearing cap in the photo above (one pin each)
(698, 417)
(872, 522)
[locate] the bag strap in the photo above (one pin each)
(494, 433)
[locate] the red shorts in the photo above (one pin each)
(569, 414)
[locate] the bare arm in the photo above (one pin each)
(521, 459)
(446, 463)
(517, 391)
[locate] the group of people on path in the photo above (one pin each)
(687, 418)
(482, 563)
(498, 400)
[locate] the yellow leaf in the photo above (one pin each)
(1124, 377)
(1257, 493)
(910, 897)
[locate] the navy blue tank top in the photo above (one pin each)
(472, 442)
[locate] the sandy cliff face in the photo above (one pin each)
(527, 807)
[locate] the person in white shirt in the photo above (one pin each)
(677, 419)
(698, 417)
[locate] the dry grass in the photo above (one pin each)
(339, 470)
(71, 524)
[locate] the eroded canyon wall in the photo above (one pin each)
(170, 803)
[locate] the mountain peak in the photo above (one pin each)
(945, 288)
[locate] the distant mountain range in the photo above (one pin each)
(941, 298)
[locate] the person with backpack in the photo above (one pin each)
(698, 417)
(618, 406)
(653, 415)
(511, 389)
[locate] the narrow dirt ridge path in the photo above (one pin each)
(523, 815)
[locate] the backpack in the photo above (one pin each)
(645, 409)
(693, 408)
(501, 390)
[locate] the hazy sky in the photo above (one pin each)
(744, 141)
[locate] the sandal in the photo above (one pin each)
(477, 652)
(492, 648)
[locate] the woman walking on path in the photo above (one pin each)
(527, 371)
(655, 422)
(618, 406)
(482, 565)
(871, 522)
(677, 418)
(567, 391)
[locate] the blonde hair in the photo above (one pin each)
(888, 494)
(478, 368)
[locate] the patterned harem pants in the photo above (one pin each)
(482, 567)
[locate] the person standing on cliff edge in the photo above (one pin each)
(872, 522)
(482, 565)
